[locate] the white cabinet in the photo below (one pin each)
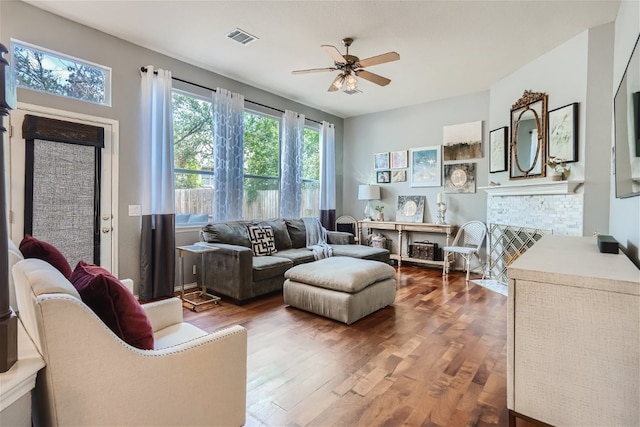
(574, 335)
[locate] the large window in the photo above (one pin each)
(194, 168)
(47, 71)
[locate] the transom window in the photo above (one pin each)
(194, 168)
(44, 70)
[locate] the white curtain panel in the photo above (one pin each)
(327, 175)
(291, 164)
(156, 161)
(157, 235)
(228, 155)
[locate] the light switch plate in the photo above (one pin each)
(134, 210)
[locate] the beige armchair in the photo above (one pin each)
(94, 378)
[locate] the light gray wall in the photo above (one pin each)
(405, 129)
(29, 24)
(624, 222)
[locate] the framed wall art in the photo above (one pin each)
(498, 150)
(563, 133)
(410, 208)
(399, 159)
(463, 141)
(426, 167)
(460, 178)
(381, 161)
(399, 175)
(383, 177)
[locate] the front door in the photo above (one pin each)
(103, 219)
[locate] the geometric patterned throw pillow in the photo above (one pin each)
(262, 240)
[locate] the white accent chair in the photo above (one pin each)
(349, 224)
(92, 377)
(467, 243)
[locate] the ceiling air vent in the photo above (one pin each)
(241, 36)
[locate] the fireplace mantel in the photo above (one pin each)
(541, 188)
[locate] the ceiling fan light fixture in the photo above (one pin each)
(350, 83)
(339, 82)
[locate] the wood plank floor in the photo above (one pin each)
(437, 357)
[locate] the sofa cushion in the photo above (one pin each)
(298, 256)
(266, 267)
(232, 233)
(35, 248)
(114, 304)
(361, 251)
(297, 233)
(262, 241)
(280, 232)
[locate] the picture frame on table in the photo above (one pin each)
(426, 166)
(498, 143)
(562, 131)
(381, 161)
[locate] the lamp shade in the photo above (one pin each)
(368, 192)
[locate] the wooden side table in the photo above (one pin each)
(200, 299)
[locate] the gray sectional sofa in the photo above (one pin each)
(234, 272)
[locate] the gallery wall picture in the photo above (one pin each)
(498, 150)
(399, 159)
(463, 141)
(410, 208)
(563, 133)
(399, 175)
(426, 167)
(381, 161)
(383, 177)
(460, 178)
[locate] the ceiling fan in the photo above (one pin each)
(348, 65)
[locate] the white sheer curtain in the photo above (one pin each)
(228, 155)
(157, 246)
(291, 164)
(327, 175)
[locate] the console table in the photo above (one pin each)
(406, 228)
(573, 335)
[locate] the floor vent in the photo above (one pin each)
(241, 36)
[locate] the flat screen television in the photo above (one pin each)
(626, 108)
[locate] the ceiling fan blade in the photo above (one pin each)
(379, 59)
(337, 83)
(314, 70)
(374, 78)
(334, 53)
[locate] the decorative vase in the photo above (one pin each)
(557, 177)
(380, 216)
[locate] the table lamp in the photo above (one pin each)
(368, 192)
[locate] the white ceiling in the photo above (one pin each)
(447, 48)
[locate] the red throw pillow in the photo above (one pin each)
(34, 248)
(114, 304)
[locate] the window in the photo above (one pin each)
(311, 173)
(261, 166)
(43, 70)
(193, 158)
(194, 168)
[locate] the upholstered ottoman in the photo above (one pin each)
(341, 288)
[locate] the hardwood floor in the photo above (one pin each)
(437, 357)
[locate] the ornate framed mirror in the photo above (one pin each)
(528, 136)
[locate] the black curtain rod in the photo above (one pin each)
(144, 70)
